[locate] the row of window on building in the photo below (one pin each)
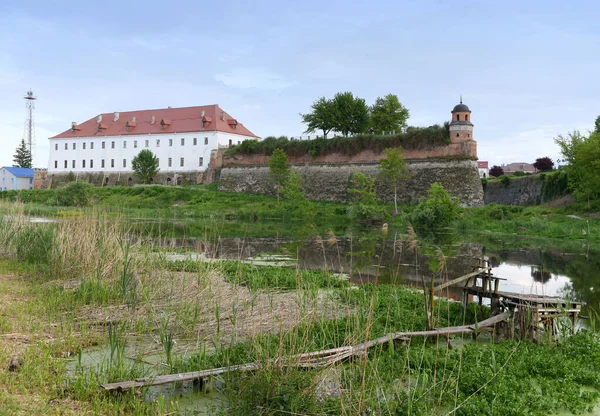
(135, 144)
(112, 163)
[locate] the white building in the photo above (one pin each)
(181, 138)
(16, 178)
(483, 168)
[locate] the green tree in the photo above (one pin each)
(436, 211)
(145, 166)
(597, 125)
(569, 146)
(279, 169)
(322, 117)
(388, 115)
(363, 197)
(392, 170)
(292, 189)
(587, 160)
(22, 157)
(351, 114)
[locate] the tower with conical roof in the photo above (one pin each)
(461, 128)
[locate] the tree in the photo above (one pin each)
(22, 157)
(321, 118)
(496, 171)
(597, 125)
(587, 160)
(569, 146)
(279, 169)
(392, 170)
(543, 164)
(438, 210)
(351, 114)
(388, 115)
(145, 166)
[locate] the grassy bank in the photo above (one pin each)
(264, 216)
(84, 283)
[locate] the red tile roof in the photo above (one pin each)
(482, 165)
(173, 120)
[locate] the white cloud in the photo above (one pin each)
(254, 78)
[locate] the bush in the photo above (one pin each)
(438, 210)
(519, 173)
(505, 180)
(75, 194)
(413, 138)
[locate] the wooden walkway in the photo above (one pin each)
(313, 359)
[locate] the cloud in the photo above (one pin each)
(254, 78)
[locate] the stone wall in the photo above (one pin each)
(54, 180)
(329, 182)
(526, 190)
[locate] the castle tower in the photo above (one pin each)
(461, 128)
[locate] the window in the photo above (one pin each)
(124, 144)
(157, 161)
(230, 142)
(56, 164)
(73, 164)
(201, 161)
(170, 162)
(181, 162)
(458, 117)
(240, 142)
(65, 164)
(135, 144)
(112, 163)
(92, 145)
(56, 146)
(83, 145)
(466, 117)
(112, 145)
(182, 141)
(195, 141)
(91, 163)
(206, 140)
(157, 143)
(74, 146)
(457, 135)
(124, 163)
(83, 163)
(102, 163)
(170, 142)
(104, 145)
(147, 143)
(66, 146)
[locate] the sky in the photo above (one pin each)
(528, 70)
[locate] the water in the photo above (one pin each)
(529, 265)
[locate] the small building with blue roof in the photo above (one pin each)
(15, 178)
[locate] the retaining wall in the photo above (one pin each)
(330, 182)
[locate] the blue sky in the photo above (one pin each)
(527, 69)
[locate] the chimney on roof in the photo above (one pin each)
(202, 113)
(133, 119)
(169, 107)
(116, 116)
(152, 120)
(73, 125)
(99, 118)
(223, 115)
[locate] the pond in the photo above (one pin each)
(371, 255)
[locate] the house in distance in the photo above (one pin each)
(15, 178)
(181, 138)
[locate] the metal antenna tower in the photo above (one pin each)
(29, 134)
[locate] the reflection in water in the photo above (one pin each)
(367, 256)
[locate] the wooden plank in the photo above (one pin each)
(313, 359)
(458, 280)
